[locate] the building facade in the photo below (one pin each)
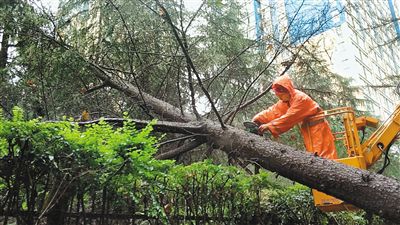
(367, 50)
(361, 40)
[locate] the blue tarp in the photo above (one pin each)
(394, 18)
(311, 17)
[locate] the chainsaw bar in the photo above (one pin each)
(250, 125)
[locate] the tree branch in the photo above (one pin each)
(131, 39)
(95, 88)
(5, 109)
(167, 18)
(159, 126)
(184, 148)
(194, 16)
(230, 62)
(177, 139)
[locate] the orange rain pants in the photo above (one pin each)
(282, 116)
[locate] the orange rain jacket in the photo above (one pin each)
(282, 116)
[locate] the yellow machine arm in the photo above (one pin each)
(381, 139)
(359, 155)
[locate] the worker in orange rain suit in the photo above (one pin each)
(295, 107)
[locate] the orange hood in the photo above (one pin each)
(285, 82)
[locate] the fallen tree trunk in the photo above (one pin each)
(367, 190)
(370, 191)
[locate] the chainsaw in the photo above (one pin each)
(251, 127)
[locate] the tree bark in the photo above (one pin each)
(370, 191)
(7, 31)
(4, 48)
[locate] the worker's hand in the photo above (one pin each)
(264, 131)
(263, 128)
(256, 122)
